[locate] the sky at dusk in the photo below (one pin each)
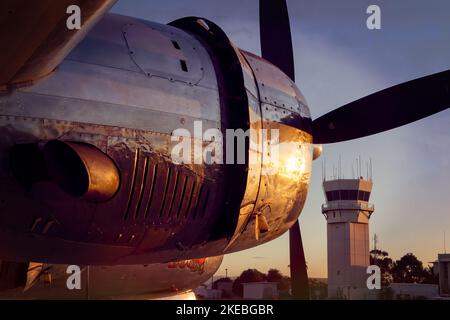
(339, 60)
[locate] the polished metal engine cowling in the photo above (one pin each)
(119, 97)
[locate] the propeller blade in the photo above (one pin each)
(299, 274)
(385, 110)
(275, 34)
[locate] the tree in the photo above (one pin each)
(408, 269)
(318, 289)
(382, 260)
(285, 284)
(430, 276)
(249, 275)
(274, 275)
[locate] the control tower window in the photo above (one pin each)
(347, 195)
(363, 196)
(353, 194)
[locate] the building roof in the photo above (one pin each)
(444, 257)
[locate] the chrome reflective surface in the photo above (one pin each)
(145, 282)
(81, 170)
(125, 96)
(286, 167)
(98, 96)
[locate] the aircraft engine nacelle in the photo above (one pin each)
(87, 167)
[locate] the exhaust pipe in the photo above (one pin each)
(81, 170)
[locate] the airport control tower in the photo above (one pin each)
(347, 211)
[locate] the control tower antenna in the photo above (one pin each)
(445, 247)
(360, 167)
(323, 176)
(375, 242)
(368, 170)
